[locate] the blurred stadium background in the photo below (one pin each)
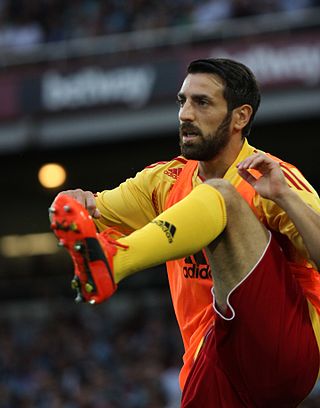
(91, 85)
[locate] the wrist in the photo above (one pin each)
(285, 198)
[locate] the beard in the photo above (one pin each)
(206, 147)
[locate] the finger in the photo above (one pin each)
(96, 213)
(247, 176)
(91, 204)
(85, 198)
(77, 194)
(256, 162)
(245, 164)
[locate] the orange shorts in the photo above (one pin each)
(263, 353)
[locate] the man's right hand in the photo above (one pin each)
(85, 198)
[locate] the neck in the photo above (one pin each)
(219, 165)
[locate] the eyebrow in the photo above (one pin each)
(196, 96)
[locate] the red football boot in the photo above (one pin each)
(92, 253)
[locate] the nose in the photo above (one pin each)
(186, 112)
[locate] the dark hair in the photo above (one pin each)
(241, 86)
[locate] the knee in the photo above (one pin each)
(225, 188)
(233, 200)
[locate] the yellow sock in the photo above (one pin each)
(183, 229)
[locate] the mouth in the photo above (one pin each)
(189, 133)
(188, 137)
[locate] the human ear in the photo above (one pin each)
(242, 115)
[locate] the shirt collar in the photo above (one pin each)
(232, 172)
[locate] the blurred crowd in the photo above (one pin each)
(77, 356)
(25, 23)
(84, 357)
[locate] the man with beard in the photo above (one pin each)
(230, 221)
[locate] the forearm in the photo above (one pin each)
(124, 207)
(306, 221)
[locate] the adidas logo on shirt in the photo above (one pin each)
(196, 267)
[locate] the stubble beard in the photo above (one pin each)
(208, 147)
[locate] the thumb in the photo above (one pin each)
(96, 213)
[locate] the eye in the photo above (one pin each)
(203, 102)
(180, 102)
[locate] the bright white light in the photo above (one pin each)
(52, 175)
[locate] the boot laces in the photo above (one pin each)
(111, 236)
